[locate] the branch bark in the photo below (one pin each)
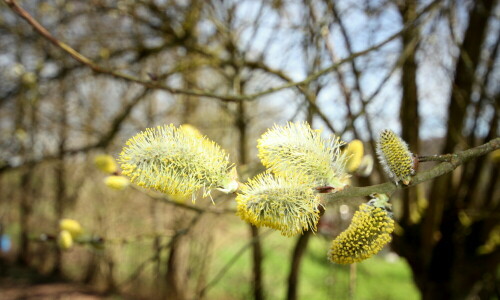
(455, 160)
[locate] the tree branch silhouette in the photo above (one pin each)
(196, 92)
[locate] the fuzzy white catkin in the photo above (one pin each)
(176, 162)
(297, 150)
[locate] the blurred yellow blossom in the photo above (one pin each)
(106, 163)
(354, 154)
(116, 182)
(71, 226)
(191, 130)
(65, 240)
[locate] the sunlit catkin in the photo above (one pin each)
(172, 161)
(191, 130)
(285, 204)
(370, 230)
(395, 157)
(297, 149)
(117, 182)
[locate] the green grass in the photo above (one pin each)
(117, 215)
(376, 278)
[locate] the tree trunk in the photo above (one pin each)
(440, 250)
(298, 254)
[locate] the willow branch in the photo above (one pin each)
(441, 158)
(196, 92)
(452, 161)
(102, 143)
(193, 208)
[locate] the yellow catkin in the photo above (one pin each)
(354, 153)
(105, 163)
(297, 149)
(395, 157)
(285, 204)
(117, 182)
(176, 162)
(369, 231)
(64, 240)
(71, 226)
(191, 130)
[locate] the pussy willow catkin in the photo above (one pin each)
(105, 163)
(354, 152)
(370, 230)
(395, 157)
(297, 150)
(287, 204)
(175, 162)
(116, 182)
(71, 226)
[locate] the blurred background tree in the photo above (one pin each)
(427, 69)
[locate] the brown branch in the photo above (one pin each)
(49, 157)
(102, 143)
(294, 273)
(195, 92)
(301, 88)
(193, 208)
(451, 164)
(441, 158)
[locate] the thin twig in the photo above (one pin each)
(102, 143)
(441, 158)
(167, 200)
(196, 92)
